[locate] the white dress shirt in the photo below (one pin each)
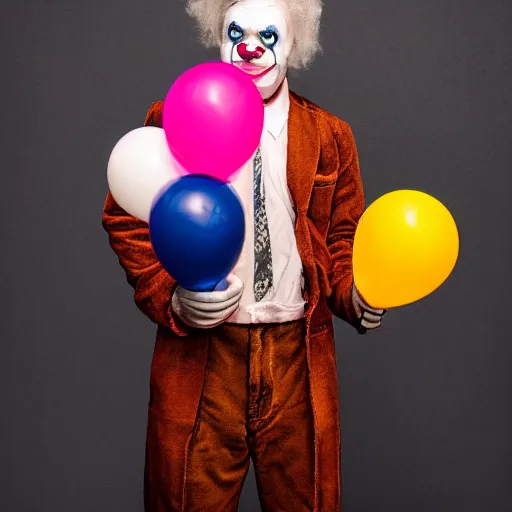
(284, 301)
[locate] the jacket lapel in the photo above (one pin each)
(303, 157)
(303, 153)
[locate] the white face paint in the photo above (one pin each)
(257, 39)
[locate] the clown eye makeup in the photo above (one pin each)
(269, 37)
(235, 33)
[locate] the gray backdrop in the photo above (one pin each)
(426, 407)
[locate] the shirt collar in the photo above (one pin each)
(276, 112)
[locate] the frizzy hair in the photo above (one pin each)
(304, 15)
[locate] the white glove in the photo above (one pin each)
(204, 310)
(370, 318)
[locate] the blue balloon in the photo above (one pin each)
(197, 230)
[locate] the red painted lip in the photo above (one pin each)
(253, 69)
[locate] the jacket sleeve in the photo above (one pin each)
(130, 241)
(347, 207)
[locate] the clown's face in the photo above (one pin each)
(257, 40)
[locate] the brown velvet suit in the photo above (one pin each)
(325, 185)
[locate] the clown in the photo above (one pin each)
(250, 372)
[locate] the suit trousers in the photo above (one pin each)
(255, 405)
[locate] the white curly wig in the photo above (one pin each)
(304, 14)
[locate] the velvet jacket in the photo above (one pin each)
(324, 181)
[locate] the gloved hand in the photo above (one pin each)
(204, 310)
(369, 317)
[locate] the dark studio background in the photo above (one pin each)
(426, 400)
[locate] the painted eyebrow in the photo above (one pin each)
(270, 28)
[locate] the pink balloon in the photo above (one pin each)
(213, 119)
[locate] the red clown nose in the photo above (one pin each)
(248, 55)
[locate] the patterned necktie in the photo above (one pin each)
(262, 252)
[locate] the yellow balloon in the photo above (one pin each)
(406, 245)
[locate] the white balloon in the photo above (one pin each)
(139, 168)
